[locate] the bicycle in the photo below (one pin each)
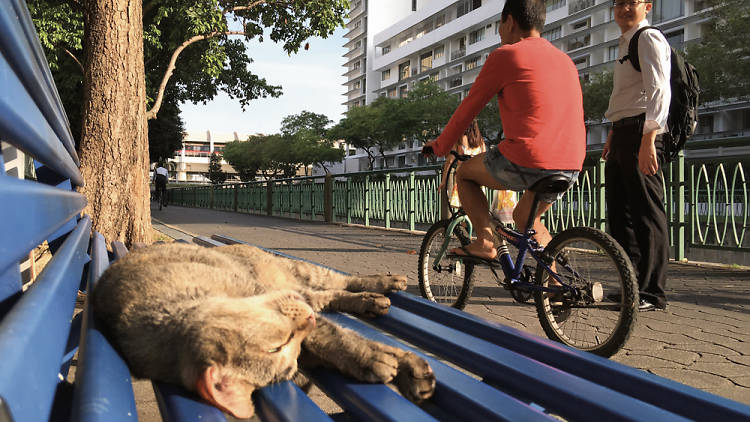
(160, 195)
(580, 308)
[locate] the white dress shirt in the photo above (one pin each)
(162, 171)
(648, 91)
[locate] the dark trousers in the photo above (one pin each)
(635, 208)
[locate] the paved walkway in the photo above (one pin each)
(702, 339)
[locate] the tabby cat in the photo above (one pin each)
(226, 321)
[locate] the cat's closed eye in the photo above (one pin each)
(277, 349)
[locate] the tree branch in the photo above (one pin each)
(75, 59)
(151, 114)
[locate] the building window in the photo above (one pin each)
(455, 82)
(578, 5)
(357, 84)
(676, 39)
(425, 61)
(364, 85)
(440, 20)
(403, 90)
(356, 4)
(401, 161)
(439, 52)
(466, 6)
(580, 41)
(386, 49)
(355, 65)
(386, 74)
(705, 124)
(476, 36)
(582, 24)
(472, 64)
(455, 70)
(554, 4)
(403, 71)
(392, 92)
(497, 27)
(434, 77)
(667, 9)
(552, 34)
(413, 5)
(581, 62)
(612, 53)
(357, 24)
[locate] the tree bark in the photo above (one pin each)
(114, 139)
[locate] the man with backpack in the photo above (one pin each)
(636, 151)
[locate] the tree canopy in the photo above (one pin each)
(596, 92)
(301, 143)
(722, 57)
(189, 52)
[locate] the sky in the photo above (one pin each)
(310, 80)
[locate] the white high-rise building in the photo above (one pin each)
(393, 44)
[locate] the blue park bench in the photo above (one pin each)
(504, 374)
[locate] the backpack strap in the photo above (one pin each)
(633, 48)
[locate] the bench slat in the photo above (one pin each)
(457, 393)
(23, 125)
(370, 402)
(176, 404)
(34, 333)
(285, 402)
(25, 55)
(665, 393)
(30, 213)
(103, 386)
(567, 394)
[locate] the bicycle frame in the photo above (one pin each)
(523, 241)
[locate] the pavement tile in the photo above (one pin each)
(693, 378)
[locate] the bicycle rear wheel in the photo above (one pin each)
(452, 281)
(596, 264)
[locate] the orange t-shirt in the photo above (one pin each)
(541, 106)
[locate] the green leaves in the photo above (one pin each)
(596, 92)
(301, 143)
(722, 56)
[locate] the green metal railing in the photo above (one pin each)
(706, 199)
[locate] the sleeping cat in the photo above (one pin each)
(226, 321)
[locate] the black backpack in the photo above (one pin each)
(683, 108)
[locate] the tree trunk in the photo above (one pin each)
(114, 138)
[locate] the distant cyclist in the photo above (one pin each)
(161, 178)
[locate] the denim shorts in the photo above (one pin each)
(517, 178)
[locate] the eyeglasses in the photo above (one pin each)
(629, 3)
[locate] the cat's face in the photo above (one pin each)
(254, 342)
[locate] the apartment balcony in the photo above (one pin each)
(458, 54)
(355, 32)
(578, 5)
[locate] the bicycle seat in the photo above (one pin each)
(551, 184)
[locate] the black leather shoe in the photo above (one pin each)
(645, 306)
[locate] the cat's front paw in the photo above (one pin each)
(415, 378)
(374, 304)
(384, 283)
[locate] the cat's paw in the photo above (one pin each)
(373, 304)
(415, 378)
(380, 367)
(384, 283)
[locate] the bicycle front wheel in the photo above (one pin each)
(449, 281)
(601, 319)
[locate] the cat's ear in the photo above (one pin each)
(215, 386)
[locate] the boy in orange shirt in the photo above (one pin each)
(541, 108)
